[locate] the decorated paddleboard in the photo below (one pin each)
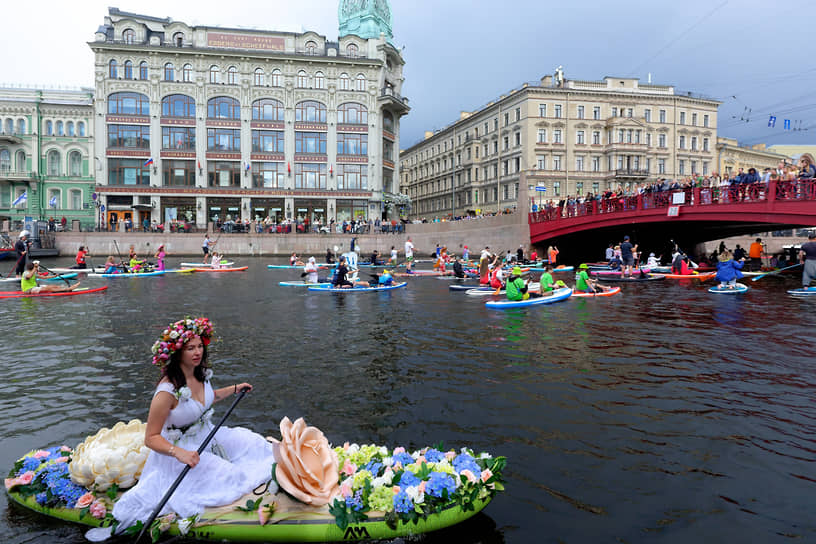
(607, 293)
(302, 284)
(635, 278)
(227, 269)
(738, 288)
(205, 265)
(129, 274)
(79, 291)
(380, 493)
(556, 296)
(803, 291)
(331, 289)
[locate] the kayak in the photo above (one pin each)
(301, 284)
(129, 274)
(80, 291)
(635, 278)
(702, 277)
(607, 293)
(238, 269)
(205, 265)
(739, 288)
(802, 291)
(41, 278)
(358, 289)
(556, 296)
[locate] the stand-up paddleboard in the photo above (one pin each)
(358, 289)
(613, 273)
(553, 270)
(738, 288)
(205, 265)
(80, 291)
(237, 269)
(58, 270)
(481, 292)
(468, 287)
(129, 274)
(302, 284)
(296, 266)
(635, 278)
(556, 296)
(422, 273)
(58, 278)
(702, 277)
(803, 291)
(608, 293)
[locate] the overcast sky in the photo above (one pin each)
(750, 54)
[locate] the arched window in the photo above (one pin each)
(5, 160)
(81, 129)
(311, 48)
(53, 163)
(9, 126)
(49, 128)
(267, 109)
(258, 79)
(345, 82)
(143, 70)
(214, 74)
(112, 69)
(187, 73)
(277, 78)
(69, 128)
(302, 79)
(75, 198)
(310, 111)
(178, 105)
(128, 103)
(178, 39)
(21, 127)
(223, 107)
(169, 72)
(361, 82)
(352, 50)
(352, 113)
(319, 80)
(21, 161)
(128, 70)
(232, 75)
(75, 163)
(129, 36)
(60, 129)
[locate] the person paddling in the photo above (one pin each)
(582, 282)
(28, 283)
(341, 279)
(517, 288)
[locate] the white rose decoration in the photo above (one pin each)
(111, 456)
(174, 334)
(208, 374)
(184, 393)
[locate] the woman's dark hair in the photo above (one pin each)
(82, 248)
(176, 376)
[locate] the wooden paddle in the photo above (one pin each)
(775, 272)
(146, 526)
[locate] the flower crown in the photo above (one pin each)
(176, 335)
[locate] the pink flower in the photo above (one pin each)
(66, 449)
(349, 468)
(469, 475)
(265, 512)
(399, 450)
(11, 482)
(346, 446)
(42, 454)
(421, 459)
(486, 475)
(450, 455)
(61, 460)
(421, 486)
(395, 489)
(85, 500)
(98, 510)
(26, 478)
(345, 488)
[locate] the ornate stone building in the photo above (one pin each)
(45, 155)
(731, 157)
(573, 137)
(203, 122)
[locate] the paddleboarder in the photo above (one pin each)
(28, 283)
(517, 288)
(728, 270)
(627, 255)
(207, 245)
(409, 254)
(807, 256)
(80, 258)
(21, 248)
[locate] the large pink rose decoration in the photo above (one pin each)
(307, 466)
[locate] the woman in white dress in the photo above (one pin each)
(235, 462)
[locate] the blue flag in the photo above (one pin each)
(772, 121)
(787, 124)
(53, 202)
(20, 199)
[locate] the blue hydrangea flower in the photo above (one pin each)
(30, 463)
(403, 503)
(355, 502)
(374, 467)
(404, 458)
(439, 482)
(408, 478)
(41, 498)
(434, 456)
(463, 461)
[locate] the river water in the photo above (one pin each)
(666, 414)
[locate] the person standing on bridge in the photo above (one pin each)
(627, 255)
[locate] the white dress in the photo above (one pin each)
(235, 462)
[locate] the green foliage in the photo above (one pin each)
(84, 512)
(251, 506)
(112, 491)
(344, 516)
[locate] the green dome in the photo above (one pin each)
(365, 18)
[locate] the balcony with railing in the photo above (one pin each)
(631, 173)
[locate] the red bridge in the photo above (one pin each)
(688, 216)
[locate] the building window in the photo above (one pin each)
(580, 112)
(556, 188)
(518, 114)
(705, 144)
(558, 111)
(352, 50)
(319, 80)
(693, 169)
(661, 140)
(232, 75)
(178, 173)
(310, 142)
(81, 129)
(75, 197)
(214, 74)
(113, 69)
(277, 79)
(541, 162)
(267, 109)
(614, 112)
(682, 118)
(630, 112)
(129, 136)
(310, 111)
(647, 115)
(705, 120)
(179, 138)
(556, 162)
(311, 48)
(54, 199)
(223, 107)
(506, 118)
(310, 176)
(268, 174)
(596, 112)
(49, 128)
(178, 39)
(352, 176)
(345, 82)
(694, 119)
(596, 164)
(129, 36)
(187, 73)
(661, 166)
(506, 141)
(596, 137)
(557, 136)
(360, 83)
(662, 116)
(681, 167)
(143, 70)
(267, 141)
(302, 79)
(352, 113)
(579, 164)
(169, 72)
(5, 161)
(579, 137)
(224, 173)
(705, 168)
(517, 139)
(128, 70)
(682, 142)
(69, 128)
(542, 136)
(128, 172)
(21, 126)
(694, 144)
(60, 129)
(223, 139)
(21, 161)
(178, 105)
(648, 165)
(579, 187)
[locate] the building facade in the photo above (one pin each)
(572, 137)
(731, 157)
(209, 123)
(46, 169)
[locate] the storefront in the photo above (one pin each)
(178, 208)
(267, 207)
(352, 209)
(313, 210)
(223, 209)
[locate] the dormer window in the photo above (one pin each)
(129, 36)
(352, 50)
(311, 48)
(178, 39)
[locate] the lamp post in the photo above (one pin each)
(99, 209)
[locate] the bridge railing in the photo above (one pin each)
(775, 190)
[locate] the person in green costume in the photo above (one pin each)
(582, 282)
(517, 288)
(28, 283)
(546, 280)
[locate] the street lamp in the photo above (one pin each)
(99, 209)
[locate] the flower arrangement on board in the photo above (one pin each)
(111, 456)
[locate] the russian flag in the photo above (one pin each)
(248, 167)
(148, 161)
